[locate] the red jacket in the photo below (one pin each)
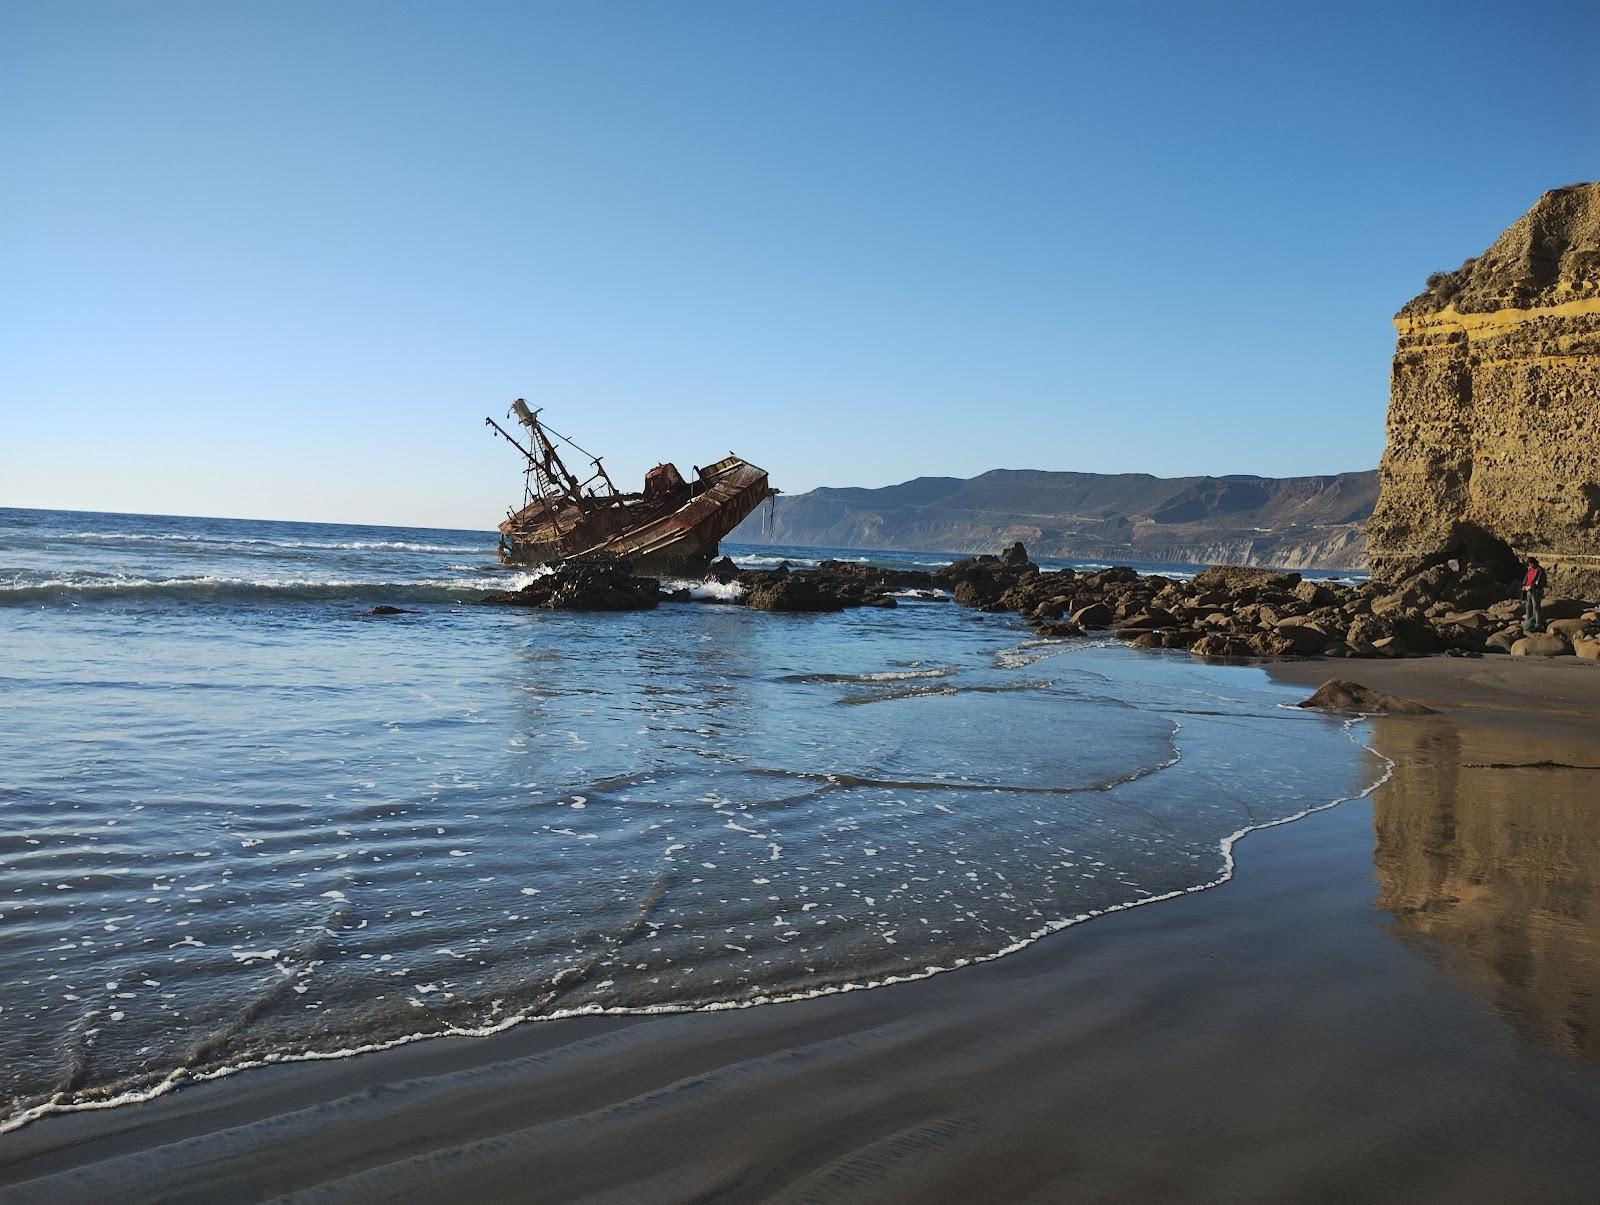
(1534, 580)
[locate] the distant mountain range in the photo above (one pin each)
(1285, 522)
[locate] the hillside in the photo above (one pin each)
(1289, 522)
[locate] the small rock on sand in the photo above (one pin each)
(1338, 695)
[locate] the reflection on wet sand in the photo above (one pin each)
(1488, 843)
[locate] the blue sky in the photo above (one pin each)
(279, 260)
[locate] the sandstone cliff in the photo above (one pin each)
(1291, 522)
(1494, 405)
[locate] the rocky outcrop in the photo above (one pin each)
(831, 586)
(1233, 611)
(589, 583)
(1288, 522)
(1494, 409)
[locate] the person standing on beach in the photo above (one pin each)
(1532, 595)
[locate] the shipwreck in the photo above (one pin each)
(672, 527)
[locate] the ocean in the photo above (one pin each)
(246, 821)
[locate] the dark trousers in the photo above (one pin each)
(1531, 619)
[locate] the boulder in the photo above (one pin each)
(1270, 644)
(1095, 615)
(596, 582)
(1391, 646)
(1562, 608)
(970, 594)
(1502, 641)
(1146, 621)
(1541, 644)
(1586, 648)
(1339, 695)
(1367, 629)
(386, 609)
(1568, 629)
(1230, 579)
(1304, 639)
(1217, 645)
(791, 592)
(1016, 557)
(722, 570)
(1315, 594)
(1400, 600)
(1057, 631)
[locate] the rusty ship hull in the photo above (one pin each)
(671, 527)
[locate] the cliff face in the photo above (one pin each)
(1494, 405)
(1292, 522)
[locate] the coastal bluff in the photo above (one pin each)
(1494, 406)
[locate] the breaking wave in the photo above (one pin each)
(888, 675)
(85, 588)
(163, 537)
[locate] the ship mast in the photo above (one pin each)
(548, 475)
(547, 478)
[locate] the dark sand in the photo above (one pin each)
(1392, 1001)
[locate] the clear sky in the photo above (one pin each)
(278, 260)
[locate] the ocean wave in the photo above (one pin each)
(709, 591)
(135, 537)
(888, 675)
(758, 560)
(242, 589)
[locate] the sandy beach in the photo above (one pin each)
(1396, 999)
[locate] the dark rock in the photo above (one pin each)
(723, 570)
(1303, 639)
(1149, 620)
(1232, 578)
(1058, 630)
(1015, 556)
(1315, 594)
(589, 583)
(386, 609)
(1119, 574)
(1541, 645)
(1562, 608)
(791, 592)
(1095, 615)
(1218, 645)
(1338, 695)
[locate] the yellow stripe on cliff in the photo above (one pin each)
(1491, 322)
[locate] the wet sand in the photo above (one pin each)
(1397, 999)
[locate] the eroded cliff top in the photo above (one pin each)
(1549, 256)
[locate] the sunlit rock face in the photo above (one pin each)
(1494, 405)
(1488, 856)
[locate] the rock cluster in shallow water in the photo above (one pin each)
(1224, 611)
(1236, 612)
(589, 583)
